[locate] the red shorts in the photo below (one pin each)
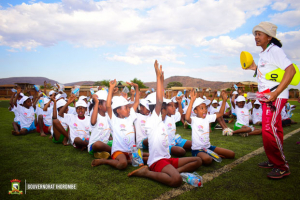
(159, 165)
(45, 128)
(117, 153)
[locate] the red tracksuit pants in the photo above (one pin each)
(272, 134)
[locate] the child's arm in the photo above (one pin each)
(95, 110)
(137, 95)
(17, 96)
(11, 102)
(54, 115)
(70, 100)
(232, 88)
(189, 110)
(36, 99)
(221, 112)
(232, 101)
(45, 87)
(213, 97)
(179, 100)
(47, 105)
(159, 87)
(132, 92)
(112, 85)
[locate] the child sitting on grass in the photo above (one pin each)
(200, 128)
(98, 145)
(256, 113)
(45, 118)
(13, 108)
(79, 125)
(242, 112)
(121, 118)
(163, 168)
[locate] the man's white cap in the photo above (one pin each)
(199, 101)
(214, 101)
(257, 102)
(81, 103)
(119, 101)
(204, 97)
(235, 92)
(60, 103)
(46, 100)
(23, 99)
(151, 98)
(58, 96)
(240, 98)
(82, 98)
(145, 103)
(51, 92)
(102, 95)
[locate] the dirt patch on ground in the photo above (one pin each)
(210, 176)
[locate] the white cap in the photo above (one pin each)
(58, 96)
(51, 92)
(82, 98)
(46, 100)
(145, 103)
(64, 95)
(60, 103)
(214, 101)
(21, 94)
(204, 97)
(235, 92)
(30, 97)
(81, 103)
(151, 98)
(174, 99)
(24, 98)
(167, 101)
(119, 101)
(240, 98)
(102, 95)
(257, 102)
(199, 101)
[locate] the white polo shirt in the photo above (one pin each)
(270, 59)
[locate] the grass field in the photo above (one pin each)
(38, 160)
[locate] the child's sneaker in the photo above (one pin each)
(103, 155)
(278, 173)
(266, 164)
(244, 134)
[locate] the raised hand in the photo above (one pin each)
(179, 99)
(224, 96)
(95, 98)
(113, 83)
(193, 95)
(158, 70)
(52, 98)
(133, 84)
(72, 98)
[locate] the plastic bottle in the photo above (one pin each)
(14, 90)
(257, 96)
(135, 156)
(212, 154)
(179, 93)
(178, 138)
(193, 179)
(140, 153)
(236, 87)
(218, 93)
(75, 90)
(36, 87)
(153, 90)
(92, 91)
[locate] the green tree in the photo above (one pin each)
(139, 82)
(228, 89)
(103, 82)
(49, 86)
(174, 84)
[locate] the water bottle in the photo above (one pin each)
(213, 154)
(258, 96)
(184, 91)
(193, 179)
(14, 90)
(140, 153)
(218, 93)
(36, 87)
(135, 156)
(75, 90)
(179, 93)
(236, 87)
(153, 90)
(178, 138)
(92, 91)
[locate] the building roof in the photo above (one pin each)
(249, 83)
(181, 88)
(8, 85)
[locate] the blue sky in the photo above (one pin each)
(81, 40)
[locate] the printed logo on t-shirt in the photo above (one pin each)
(122, 126)
(75, 125)
(169, 125)
(242, 112)
(25, 114)
(101, 125)
(143, 122)
(87, 128)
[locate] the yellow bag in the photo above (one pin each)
(246, 59)
(277, 75)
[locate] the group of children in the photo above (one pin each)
(109, 125)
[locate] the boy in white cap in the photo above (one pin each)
(257, 113)
(99, 145)
(242, 113)
(84, 98)
(121, 118)
(163, 168)
(200, 128)
(45, 118)
(13, 108)
(79, 125)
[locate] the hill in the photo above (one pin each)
(32, 80)
(193, 82)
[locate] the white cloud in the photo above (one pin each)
(94, 24)
(147, 54)
(280, 6)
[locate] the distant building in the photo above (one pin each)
(247, 84)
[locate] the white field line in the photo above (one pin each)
(210, 176)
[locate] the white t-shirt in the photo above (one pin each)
(123, 132)
(256, 115)
(100, 131)
(39, 111)
(171, 126)
(27, 116)
(226, 105)
(213, 110)
(17, 114)
(72, 110)
(283, 113)
(78, 127)
(139, 124)
(47, 116)
(61, 120)
(200, 131)
(270, 59)
(242, 114)
(158, 141)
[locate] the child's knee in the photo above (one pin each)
(40, 117)
(231, 155)
(207, 160)
(122, 164)
(180, 152)
(176, 180)
(198, 161)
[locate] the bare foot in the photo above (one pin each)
(50, 137)
(43, 135)
(66, 143)
(139, 172)
(97, 162)
(83, 148)
(15, 133)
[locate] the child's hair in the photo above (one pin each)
(93, 103)
(151, 107)
(115, 110)
(163, 106)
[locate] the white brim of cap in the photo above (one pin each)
(200, 101)
(81, 103)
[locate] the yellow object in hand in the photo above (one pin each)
(277, 75)
(246, 59)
